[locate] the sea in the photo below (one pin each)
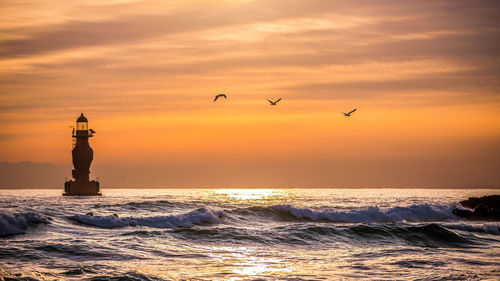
(246, 234)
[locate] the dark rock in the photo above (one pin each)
(484, 208)
(481, 210)
(492, 202)
(463, 213)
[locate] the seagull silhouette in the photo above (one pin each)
(274, 102)
(92, 131)
(349, 114)
(220, 96)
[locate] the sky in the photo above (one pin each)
(423, 75)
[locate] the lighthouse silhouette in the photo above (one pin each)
(82, 158)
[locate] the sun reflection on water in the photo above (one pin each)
(254, 266)
(248, 261)
(249, 194)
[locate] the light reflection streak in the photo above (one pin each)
(249, 194)
(248, 261)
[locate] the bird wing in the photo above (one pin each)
(277, 100)
(270, 101)
(352, 111)
(220, 95)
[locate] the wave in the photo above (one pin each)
(78, 271)
(83, 273)
(414, 213)
(128, 276)
(17, 223)
(489, 228)
(425, 235)
(197, 217)
(135, 205)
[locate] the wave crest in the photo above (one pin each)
(17, 223)
(414, 213)
(489, 228)
(196, 217)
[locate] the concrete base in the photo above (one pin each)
(78, 188)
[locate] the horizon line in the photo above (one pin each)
(289, 187)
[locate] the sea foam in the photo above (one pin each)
(414, 213)
(487, 227)
(196, 217)
(13, 224)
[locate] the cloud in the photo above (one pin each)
(129, 29)
(450, 84)
(132, 28)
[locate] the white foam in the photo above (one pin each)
(12, 224)
(414, 213)
(199, 216)
(490, 228)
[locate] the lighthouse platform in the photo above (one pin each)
(82, 188)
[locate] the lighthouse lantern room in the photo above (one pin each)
(82, 124)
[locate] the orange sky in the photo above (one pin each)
(424, 76)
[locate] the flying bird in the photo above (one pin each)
(92, 131)
(349, 114)
(274, 102)
(220, 96)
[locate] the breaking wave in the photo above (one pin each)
(197, 217)
(17, 223)
(414, 213)
(489, 228)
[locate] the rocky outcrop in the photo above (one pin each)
(483, 208)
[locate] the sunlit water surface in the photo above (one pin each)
(242, 234)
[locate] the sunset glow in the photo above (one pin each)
(423, 75)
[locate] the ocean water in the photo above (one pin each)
(245, 234)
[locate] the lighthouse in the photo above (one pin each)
(82, 158)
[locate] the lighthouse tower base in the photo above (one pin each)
(82, 188)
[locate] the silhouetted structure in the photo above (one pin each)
(82, 158)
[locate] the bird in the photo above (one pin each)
(274, 102)
(349, 114)
(92, 131)
(220, 96)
